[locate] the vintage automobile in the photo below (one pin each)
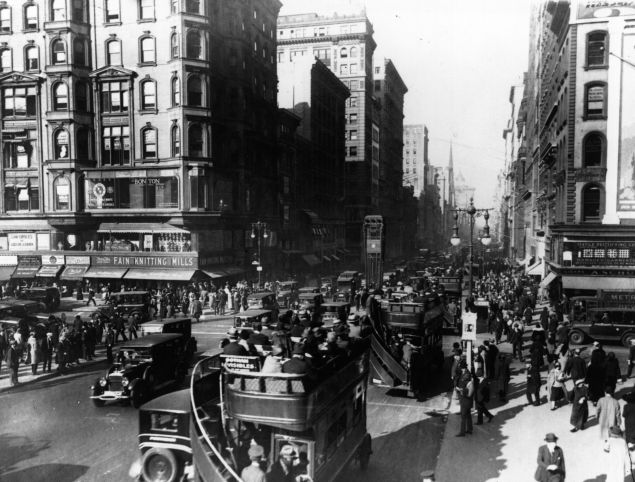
(263, 300)
(287, 293)
(335, 310)
(248, 318)
(129, 303)
(310, 302)
(181, 325)
(48, 295)
(143, 367)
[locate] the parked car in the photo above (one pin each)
(48, 295)
(180, 325)
(247, 318)
(143, 367)
(129, 303)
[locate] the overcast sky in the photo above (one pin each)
(459, 59)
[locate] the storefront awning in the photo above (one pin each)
(107, 273)
(335, 257)
(215, 273)
(326, 258)
(48, 271)
(74, 272)
(160, 274)
(311, 259)
(25, 272)
(139, 228)
(6, 272)
(597, 282)
(536, 269)
(548, 279)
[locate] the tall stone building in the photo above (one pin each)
(415, 157)
(147, 129)
(345, 45)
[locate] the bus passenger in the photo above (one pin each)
(297, 364)
(273, 362)
(283, 469)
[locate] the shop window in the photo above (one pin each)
(58, 50)
(146, 9)
(595, 101)
(149, 143)
(174, 46)
(115, 145)
(112, 11)
(31, 59)
(60, 96)
(132, 193)
(6, 60)
(198, 192)
(79, 52)
(147, 53)
(30, 17)
(176, 92)
(5, 20)
(596, 51)
(193, 45)
(19, 150)
(591, 203)
(114, 97)
(176, 141)
(19, 102)
(60, 144)
(195, 91)
(113, 52)
(82, 96)
(593, 150)
(196, 141)
(193, 6)
(79, 11)
(62, 194)
(83, 144)
(22, 198)
(148, 95)
(58, 10)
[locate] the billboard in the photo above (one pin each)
(598, 9)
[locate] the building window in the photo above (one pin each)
(113, 52)
(22, 198)
(114, 97)
(352, 118)
(353, 135)
(593, 150)
(19, 102)
(79, 52)
(595, 101)
(596, 51)
(174, 46)
(60, 96)
(344, 69)
(147, 54)
(174, 6)
(354, 69)
(176, 141)
(6, 60)
(148, 95)
(83, 143)
(112, 12)
(82, 97)
(146, 9)
(58, 50)
(31, 59)
(194, 92)
(30, 17)
(193, 6)
(79, 11)
(196, 144)
(19, 151)
(591, 199)
(198, 192)
(343, 52)
(116, 145)
(58, 10)
(60, 144)
(176, 92)
(5, 20)
(149, 143)
(62, 193)
(193, 42)
(352, 151)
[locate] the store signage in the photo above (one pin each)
(611, 272)
(601, 253)
(618, 298)
(30, 260)
(130, 261)
(241, 363)
(601, 9)
(469, 326)
(132, 193)
(53, 259)
(22, 241)
(77, 260)
(9, 260)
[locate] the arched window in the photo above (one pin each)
(6, 60)
(30, 17)
(79, 11)
(595, 100)
(196, 144)
(79, 52)
(195, 91)
(353, 52)
(82, 97)
(5, 20)
(147, 54)
(149, 143)
(591, 203)
(58, 10)
(58, 49)
(148, 95)
(31, 58)
(174, 46)
(193, 42)
(113, 52)
(593, 150)
(60, 96)
(343, 52)
(84, 146)
(60, 141)
(176, 92)
(62, 193)
(176, 141)
(596, 51)
(193, 6)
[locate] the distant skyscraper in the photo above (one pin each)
(415, 157)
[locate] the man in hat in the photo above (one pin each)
(465, 391)
(256, 337)
(551, 466)
(575, 366)
(354, 330)
(608, 413)
(253, 472)
(283, 470)
(580, 407)
(233, 347)
(13, 360)
(297, 364)
(532, 388)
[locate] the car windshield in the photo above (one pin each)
(134, 357)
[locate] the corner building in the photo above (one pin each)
(125, 148)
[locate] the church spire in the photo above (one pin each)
(451, 162)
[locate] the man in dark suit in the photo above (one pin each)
(256, 337)
(465, 391)
(550, 461)
(575, 366)
(233, 347)
(13, 359)
(297, 363)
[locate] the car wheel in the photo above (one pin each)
(626, 339)
(159, 465)
(576, 337)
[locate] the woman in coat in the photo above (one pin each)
(580, 408)
(34, 352)
(619, 463)
(555, 386)
(628, 413)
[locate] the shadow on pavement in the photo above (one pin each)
(602, 478)
(55, 380)
(47, 472)
(15, 449)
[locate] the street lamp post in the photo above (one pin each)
(455, 240)
(259, 229)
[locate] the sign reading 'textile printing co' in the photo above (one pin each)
(626, 163)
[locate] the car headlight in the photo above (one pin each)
(125, 382)
(103, 382)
